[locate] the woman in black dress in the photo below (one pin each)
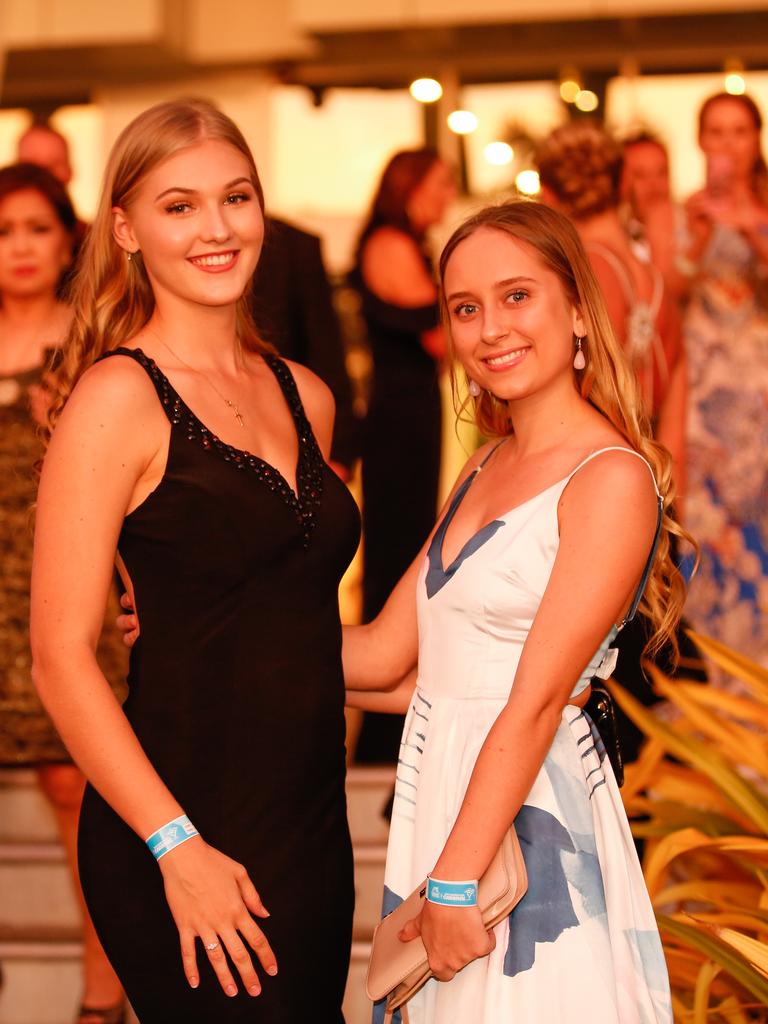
(394, 276)
(235, 710)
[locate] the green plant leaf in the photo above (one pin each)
(737, 966)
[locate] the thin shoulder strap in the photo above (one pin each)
(169, 399)
(617, 448)
(492, 451)
(657, 535)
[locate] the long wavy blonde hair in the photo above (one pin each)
(111, 295)
(607, 382)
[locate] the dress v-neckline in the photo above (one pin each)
(472, 540)
(305, 499)
(244, 453)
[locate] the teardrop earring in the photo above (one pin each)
(474, 388)
(579, 362)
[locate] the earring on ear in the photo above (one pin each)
(130, 257)
(474, 388)
(579, 362)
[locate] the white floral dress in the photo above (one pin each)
(583, 943)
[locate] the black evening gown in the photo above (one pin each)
(236, 694)
(401, 469)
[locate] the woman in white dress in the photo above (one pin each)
(555, 531)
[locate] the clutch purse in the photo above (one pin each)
(397, 970)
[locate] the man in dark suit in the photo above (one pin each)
(293, 309)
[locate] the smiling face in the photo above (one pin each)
(511, 323)
(197, 222)
(34, 245)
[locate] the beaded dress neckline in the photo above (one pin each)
(305, 501)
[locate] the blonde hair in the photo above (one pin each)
(582, 165)
(607, 382)
(111, 295)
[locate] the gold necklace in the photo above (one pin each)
(232, 405)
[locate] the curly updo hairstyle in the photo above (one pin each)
(581, 164)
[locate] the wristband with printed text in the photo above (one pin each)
(171, 835)
(452, 894)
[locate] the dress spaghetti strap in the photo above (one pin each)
(617, 448)
(659, 519)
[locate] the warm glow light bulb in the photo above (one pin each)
(586, 100)
(499, 153)
(462, 122)
(528, 183)
(569, 90)
(735, 84)
(426, 90)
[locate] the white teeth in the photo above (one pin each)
(508, 357)
(216, 260)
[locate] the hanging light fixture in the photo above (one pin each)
(462, 122)
(426, 90)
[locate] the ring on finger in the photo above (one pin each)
(211, 946)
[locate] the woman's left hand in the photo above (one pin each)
(452, 936)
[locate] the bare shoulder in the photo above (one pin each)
(391, 243)
(114, 396)
(613, 486)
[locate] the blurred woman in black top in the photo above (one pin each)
(393, 273)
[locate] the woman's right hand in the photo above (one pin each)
(128, 624)
(212, 898)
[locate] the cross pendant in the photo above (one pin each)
(236, 411)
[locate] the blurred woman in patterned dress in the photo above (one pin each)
(726, 337)
(37, 225)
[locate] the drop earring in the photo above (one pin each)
(579, 362)
(474, 388)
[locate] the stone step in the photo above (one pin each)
(25, 814)
(42, 983)
(39, 921)
(36, 892)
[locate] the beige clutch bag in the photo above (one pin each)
(398, 969)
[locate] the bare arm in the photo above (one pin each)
(604, 543)
(380, 654)
(107, 453)
(394, 269)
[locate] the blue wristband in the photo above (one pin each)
(451, 894)
(173, 834)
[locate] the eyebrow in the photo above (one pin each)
(499, 284)
(193, 191)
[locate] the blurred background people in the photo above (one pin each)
(726, 337)
(37, 228)
(42, 145)
(293, 307)
(654, 222)
(580, 167)
(393, 272)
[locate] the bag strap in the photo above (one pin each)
(389, 1014)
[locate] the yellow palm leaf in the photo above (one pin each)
(701, 756)
(735, 664)
(715, 891)
(743, 747)
(741, 709)
(707, 974)
(751, 949)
